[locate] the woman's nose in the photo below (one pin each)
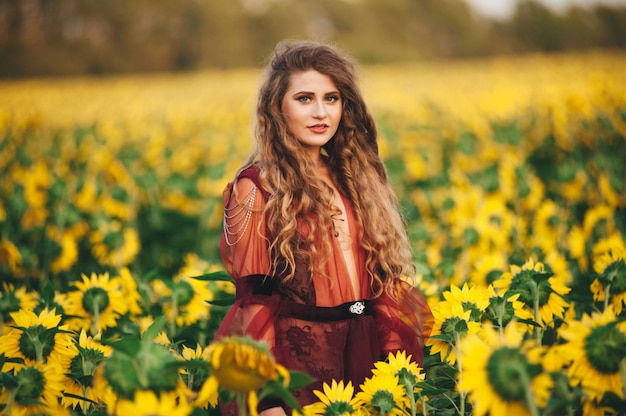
(319, 109)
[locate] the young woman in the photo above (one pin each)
(312, 232)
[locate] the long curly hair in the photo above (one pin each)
(297, 197)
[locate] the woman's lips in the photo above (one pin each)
(319, 128)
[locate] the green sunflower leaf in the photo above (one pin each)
(8, 381)
(152, 332)
(443, 337)
(129, 346)
(81, 398)
(529, 322)
(47, 293)
(221, 276)
(277, 390)
(225, 301)
(298, 380)
(428, 389)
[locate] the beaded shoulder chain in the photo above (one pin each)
(237, 218)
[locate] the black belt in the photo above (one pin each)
(348, 310)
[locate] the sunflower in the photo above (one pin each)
(163, 339)
(36, 339)
(472, 299)
(547, 223)
(596, 348)
(243, 366)
(68, 253)
(336, 399)
(502, 310)
(129, 288)
(541, 292)
(384, 395)
(599, 220)
(88, 355)
(498, 375)
(103, 389)
(611, 282)
(36, 388)
(399, 364)
(451, 323)
(185, 300)
(36, 184)
(148, 403)
(98, 302)
(12, 300)
(197, 374)
(113, 245)
(576, 245)
(408, 372)
(10, 255)
(593, 408)
(487, 268)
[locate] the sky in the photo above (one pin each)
(503, 8)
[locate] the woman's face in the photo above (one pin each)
(312, 107)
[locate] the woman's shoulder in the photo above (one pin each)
(252, 172)
(250, 176)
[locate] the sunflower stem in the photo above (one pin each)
(622, 371)
(38, 347)
(452, 401)
(538, 329)
(530, 400)
(10, 401)
(408, 387)
(241, 404)
(84, 400)
(172, 323)
(96, 318)
(459, 362)
(424, 408)
(607, 293)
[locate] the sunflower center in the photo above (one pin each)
(182, 292)
(37, 340)
(338, 409)
(84, 364)
(114, 240)
(31, 385)
(605, 347)
(507, 374)
(95, 300)
(383, 401)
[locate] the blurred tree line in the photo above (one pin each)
(67, 37)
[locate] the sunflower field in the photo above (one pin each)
(511, 174)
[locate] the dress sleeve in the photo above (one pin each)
(404, 321)
(245, 254)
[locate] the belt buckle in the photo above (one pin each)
(357, 308)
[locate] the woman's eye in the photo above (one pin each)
(332, 98)
(304, 99)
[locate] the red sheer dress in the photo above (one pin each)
(329, 328)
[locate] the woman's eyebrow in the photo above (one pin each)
(312, 93)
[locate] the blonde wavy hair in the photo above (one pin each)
(296, 196)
